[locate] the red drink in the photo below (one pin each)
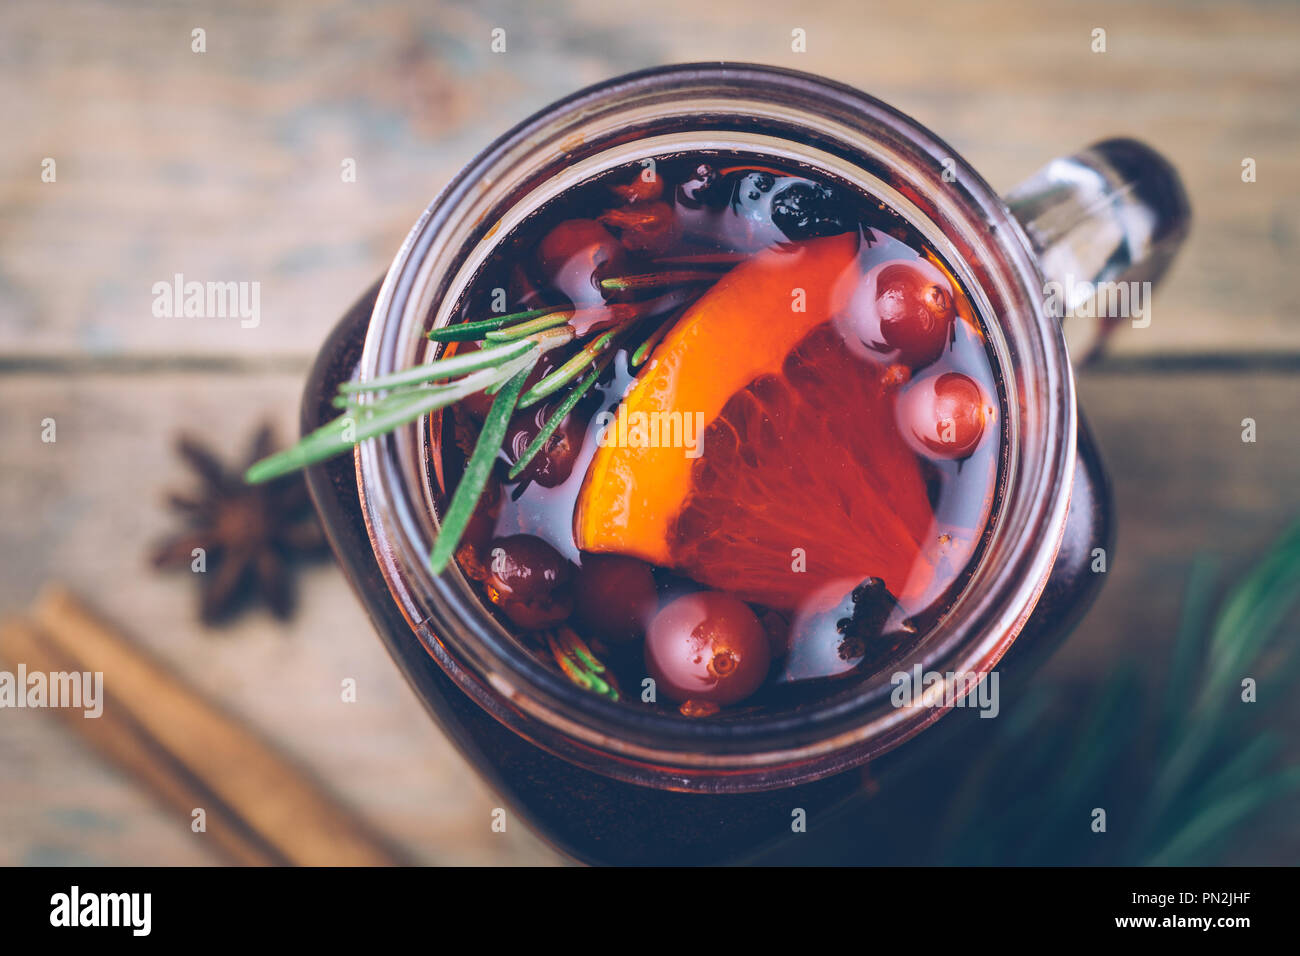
(858, 499)
(786, 460)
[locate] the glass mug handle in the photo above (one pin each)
(1105, 224)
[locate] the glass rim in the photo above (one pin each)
(983, 242)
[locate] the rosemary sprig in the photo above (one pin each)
(443, 368)
(477, 470)
(656, 280)
(380, 418)
(1249, 618)
(509, 348)
(570, 370)
(473, 331)
(579, 664)
(530, 327)
(1207, 771)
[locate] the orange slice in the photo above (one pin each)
(803, 477)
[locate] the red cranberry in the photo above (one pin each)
(576, 255)
(615, 596)
(530, 581)
(554, 463)
(904, 308)
(645, 228)
(707, 647)
(944, 415)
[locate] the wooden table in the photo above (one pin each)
(226, 165)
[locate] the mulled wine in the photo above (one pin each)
(745, 390)
(763, 458)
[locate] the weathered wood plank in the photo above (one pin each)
(226, 165)
(85, 510)
(1185, 483)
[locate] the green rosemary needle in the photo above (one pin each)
(442, 368)
(473, 331)
(570, 369)
(477, 469)
(645, 348)
(378, 418)
(656, 280)
(524, 329)
(579, 664)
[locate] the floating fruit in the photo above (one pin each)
(749, 208)
(944, 415)
(529, 581)
(554, 463)
(833, 641)
(707, 648)
(806, 210)
(803, 477)
(903, 310)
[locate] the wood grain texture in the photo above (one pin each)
(121, 743)
(260, 795)
(226, 166)
(1185, 484)
(86, 509)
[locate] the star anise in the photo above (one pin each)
(248, 534)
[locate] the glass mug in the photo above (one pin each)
(612, 782)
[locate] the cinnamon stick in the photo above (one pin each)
(127, 747)
(260, 807)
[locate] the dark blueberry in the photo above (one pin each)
(849, 637)
(872, 605)
(807, 210)
(796, 205)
